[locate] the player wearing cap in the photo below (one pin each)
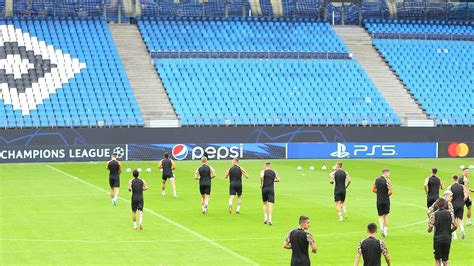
(115, 168)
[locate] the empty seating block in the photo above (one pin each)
(440, 74)
(239, 34)
(273, 92)
(62, 73)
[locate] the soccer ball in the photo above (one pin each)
(334, 167)
(461, 167)
(311, 168)
(324, 167)
(471, 166)
(129, 170)
(299, 168)
(148, 170)
(139, 170)
(119, 151)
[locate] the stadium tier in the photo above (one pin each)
(420, 29)
(273, 92)
(440, 74)
(239, 34)
(62, 72)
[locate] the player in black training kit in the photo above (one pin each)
(267, 179)
(137, 186)
(448, 197)
(383, 188)
(371, 249)
(167, 166)
(115, 168)
(459, 197)
(464, 180)
(235, 176)
(432, 186)
(204, 174)
(443, 225)
(298, 240)
(342, 181)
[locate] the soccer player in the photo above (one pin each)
(235, 176)
(459, 197)
(137, 186)
(268, 177)
(432, 186)
(167, 165)
(298, 241)
(443, 224)
(342, 180)
(464, 180)
(383, 188)
(204, 174)
(371, 249)
(448, 197)
(115, 168)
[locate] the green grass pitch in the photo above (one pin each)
(61, 214)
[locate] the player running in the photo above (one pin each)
(235, 176)
(371, 249)
(444, 225)
(298, 241)
(167, 165)
(464, 180)
(448, 197)
(459, 197)
(432, 186)
(342, 181)
(137, 186)
(115, 168)
(383, 187)
(204, 174)
(268, 177)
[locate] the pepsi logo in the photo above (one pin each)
(180, 152)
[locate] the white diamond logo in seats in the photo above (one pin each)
(31, 70)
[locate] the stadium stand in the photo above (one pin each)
(273, 92)
(439, 73)
(239, 34)
(61, 73)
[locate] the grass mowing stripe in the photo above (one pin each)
(210, 241)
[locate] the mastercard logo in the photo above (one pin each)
(458, 149)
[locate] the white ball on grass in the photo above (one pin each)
(311, 168)
(334, 167)
(129, 170)
(471, 166)
(461, 167)
(139, 170)
(324, 167)
(148, 170)
(299, 168)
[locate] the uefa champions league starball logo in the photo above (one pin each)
(119, 151)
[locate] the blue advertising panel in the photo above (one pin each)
(361, 150)
(215, 151)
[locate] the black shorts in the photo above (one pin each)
(114, 181)
(268, 195)
(383, 208)
(468, 202)
(235, 189)
(458, 211)
(205, 189)
(339, 195)
(137, 205)
(165, 176)
(441, 250)
(430, 201)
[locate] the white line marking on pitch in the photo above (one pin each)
(205, 239)
(178, 241)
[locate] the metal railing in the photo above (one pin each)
(250, 54)
(422, 36)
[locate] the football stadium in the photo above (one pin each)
(236, 132)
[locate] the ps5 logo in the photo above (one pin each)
(341, 151)
(362, 150)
